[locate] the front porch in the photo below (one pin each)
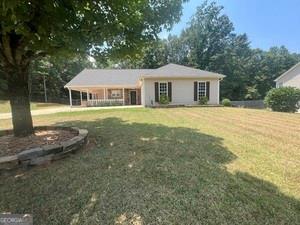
(106, 96)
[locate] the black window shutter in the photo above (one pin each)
(195, 91)
(207, 89)
(170, 91)
(156, 92)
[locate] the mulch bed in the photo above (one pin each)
(10, 145)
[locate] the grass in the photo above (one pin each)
(5, 106)
(167, 166)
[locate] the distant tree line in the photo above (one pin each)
(56, 72)
(208, 42)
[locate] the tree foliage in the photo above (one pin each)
(206, 35)
(56, 71)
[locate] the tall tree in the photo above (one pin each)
(233, 62)
(152, 56)
(156, 54)
(32, 29)
(207, 34)
(178, 49)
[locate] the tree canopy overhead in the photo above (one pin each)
(42, 26)
(34, 28)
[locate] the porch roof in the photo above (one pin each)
(107, 77)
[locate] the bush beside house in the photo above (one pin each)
(226, 102)
(203, 100)
(283, 99)
(164, 100)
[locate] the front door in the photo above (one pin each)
(132, 97)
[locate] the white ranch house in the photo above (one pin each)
(183, 86)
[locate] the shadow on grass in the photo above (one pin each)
(137, 173)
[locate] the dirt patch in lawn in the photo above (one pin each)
(10, 145)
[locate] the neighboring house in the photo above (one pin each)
(183, 85)
(290, 78)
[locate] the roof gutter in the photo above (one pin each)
(102, 86)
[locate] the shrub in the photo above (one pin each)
(226, 102)
(283, 99)
(163, 100)
(203, 100)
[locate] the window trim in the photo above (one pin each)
(198, 88)
(163, 82)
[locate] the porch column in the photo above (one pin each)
(70, 97)
(104, 90)
(80, 97)
(87, 95)
(123, 96)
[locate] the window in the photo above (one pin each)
(163, 89)
(116, 93)
(201, 89)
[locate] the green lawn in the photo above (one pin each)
(5, 106)
(167, 166)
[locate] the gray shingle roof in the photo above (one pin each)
(178, 71)
(109, 77)
(130, 77)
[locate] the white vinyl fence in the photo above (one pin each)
(104, 102)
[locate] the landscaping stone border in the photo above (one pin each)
(47, 153)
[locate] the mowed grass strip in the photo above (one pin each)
(166, 166)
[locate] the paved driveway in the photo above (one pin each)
(68, 109)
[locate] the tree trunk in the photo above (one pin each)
(19, 101)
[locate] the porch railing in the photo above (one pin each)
(104, 102)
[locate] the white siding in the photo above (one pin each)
(291, 79)
(182, 91)
(294, 82)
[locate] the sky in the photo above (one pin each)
(266, 22)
